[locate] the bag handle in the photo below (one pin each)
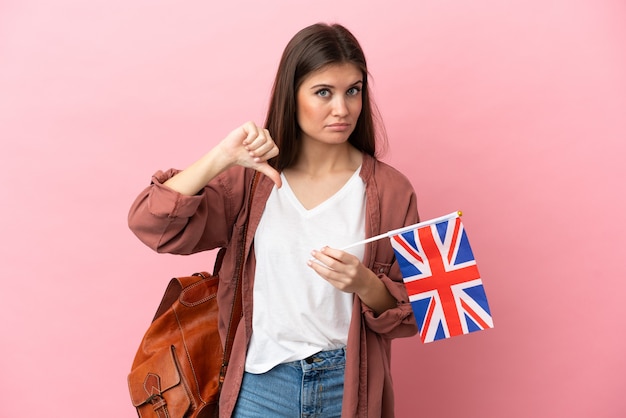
(236, 309)
(177, 284)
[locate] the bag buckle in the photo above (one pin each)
(152, 386)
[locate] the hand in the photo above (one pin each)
(252, 146)
(346, 272)
(342, 270)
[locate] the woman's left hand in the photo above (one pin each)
(346, 272)
(343, 270)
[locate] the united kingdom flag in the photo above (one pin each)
(441, 277)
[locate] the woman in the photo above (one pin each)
(318, 321)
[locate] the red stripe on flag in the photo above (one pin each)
(474, 315)
(408, 249)
(457, 225)
(429, 317)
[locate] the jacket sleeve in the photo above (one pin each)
(398, 321)
(169, 222)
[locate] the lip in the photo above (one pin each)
(338, 126)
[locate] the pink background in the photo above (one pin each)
(512, 111)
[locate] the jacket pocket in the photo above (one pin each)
(381, 268)
(157, 387)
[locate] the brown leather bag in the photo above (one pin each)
(181, 363)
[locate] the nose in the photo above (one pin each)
(340, 106)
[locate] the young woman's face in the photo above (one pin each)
(329, 103)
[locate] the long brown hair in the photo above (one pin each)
(309, 50)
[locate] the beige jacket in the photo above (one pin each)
(169, 222)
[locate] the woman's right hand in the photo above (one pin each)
(248, 146)
(251, 146)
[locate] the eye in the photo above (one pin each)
(323, 93)
(353, 91)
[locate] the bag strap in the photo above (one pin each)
(237, 307)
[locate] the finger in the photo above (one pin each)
(334, 278)
(326, 260)
(257, 137)
(269, 149)
(252, 132)
(319, 268)
(336, 254)
(264, 152)
(270, 172)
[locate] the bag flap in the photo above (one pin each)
(154, 376)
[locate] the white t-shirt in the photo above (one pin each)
(296, 313)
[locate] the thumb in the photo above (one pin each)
(270, 172)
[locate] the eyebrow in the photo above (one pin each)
(328, 86)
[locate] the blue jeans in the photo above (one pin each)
(311, 388)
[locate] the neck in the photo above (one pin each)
(318, 159)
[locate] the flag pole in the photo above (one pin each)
(406, 229)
